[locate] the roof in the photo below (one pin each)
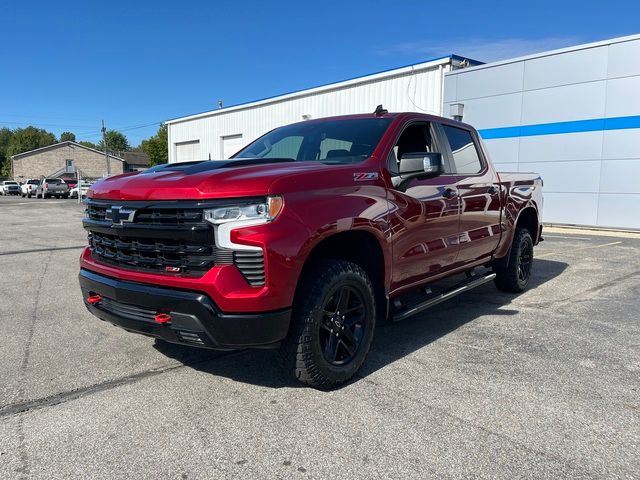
(548, 53)
(397, 71)
(61, 144)
(135, 158)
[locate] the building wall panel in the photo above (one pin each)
(564, 104)
(619, 144)
(561, 147)
(619, 102)
(620, 177)
(549, 71)
(492, 112)
(566, 177)
(491, 81)
(590, 165)
(614, 211)
(624, 59)
(571, 208)
(503, 150)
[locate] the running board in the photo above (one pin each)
(470, 283)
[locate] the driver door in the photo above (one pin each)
(424, 216)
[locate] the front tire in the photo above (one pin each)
(332, 326)
(515, 276)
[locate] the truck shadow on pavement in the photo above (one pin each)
(392, 342)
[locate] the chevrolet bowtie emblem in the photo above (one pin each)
(119, 214)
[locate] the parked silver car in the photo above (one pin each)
(52, 187)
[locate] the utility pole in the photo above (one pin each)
(106, 155)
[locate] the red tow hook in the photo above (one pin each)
(162, 318)
(94, 299)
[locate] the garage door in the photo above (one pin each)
(231, 144)
(188, 151)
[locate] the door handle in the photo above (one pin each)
(492, 190)
(450, 193)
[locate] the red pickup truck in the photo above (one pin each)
(308, 237)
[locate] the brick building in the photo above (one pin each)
(62, 159)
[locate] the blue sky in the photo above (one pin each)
(67, 65)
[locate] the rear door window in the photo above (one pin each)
(463, 150)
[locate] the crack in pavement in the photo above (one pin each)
(70, 395)
(22, 453)
(584, 293)
(36, 250)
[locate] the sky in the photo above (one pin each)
(68, 65)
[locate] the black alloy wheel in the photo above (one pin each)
(343, 325)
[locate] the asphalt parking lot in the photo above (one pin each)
(489, 385)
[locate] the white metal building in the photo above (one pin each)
(573, 115)
(220, 133)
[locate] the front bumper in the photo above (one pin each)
(195, 319)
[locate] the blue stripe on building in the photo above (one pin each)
(577, 126)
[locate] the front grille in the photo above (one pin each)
(169, 237)
(152, 216)
(152, 254)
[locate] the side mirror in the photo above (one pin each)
(424, 164)
(418, 165)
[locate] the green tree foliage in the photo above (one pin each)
(89, 144)
(157, 147)
(5, 162)
(67, 137)
(116, 142)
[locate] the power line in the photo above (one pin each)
(36, 124)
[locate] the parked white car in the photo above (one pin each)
(9, 187)
(29, 187)
(84, 187)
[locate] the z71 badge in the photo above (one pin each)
(364, 176)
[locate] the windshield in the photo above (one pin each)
(53, 180)
(331, 141)
(33, 182)
(10, 183)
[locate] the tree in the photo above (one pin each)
(157, 147)
(89, 144)
(5, 161)
(116, 142)
(67, 137)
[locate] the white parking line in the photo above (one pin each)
(568, 238)
(579, 249)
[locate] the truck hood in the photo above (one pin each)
(201, 180)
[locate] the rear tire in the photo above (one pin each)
(325, 346)
(515, 277)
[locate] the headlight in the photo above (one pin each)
(266, 211)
